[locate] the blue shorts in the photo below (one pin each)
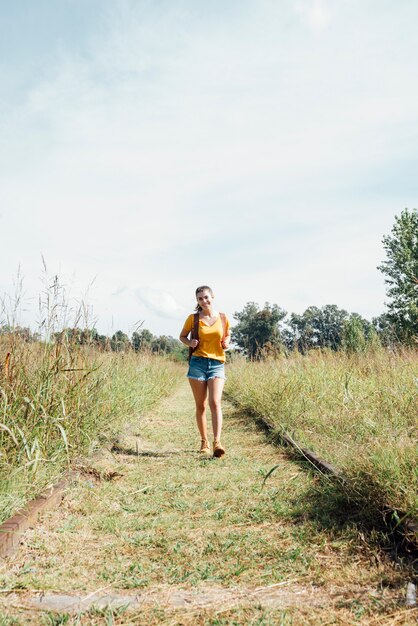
(201, 368)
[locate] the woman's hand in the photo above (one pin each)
(194, 343)
(225, 343)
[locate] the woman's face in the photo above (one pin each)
(204, 298)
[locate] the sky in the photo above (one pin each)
(262, 147)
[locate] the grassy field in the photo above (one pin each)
(358, 412)
(59, 401)
(199, 542)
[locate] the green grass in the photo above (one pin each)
(170, 522)
(358, 412)
(60, 401)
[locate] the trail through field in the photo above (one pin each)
(148, 533)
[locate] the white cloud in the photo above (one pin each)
(315, 13)
(159, 302)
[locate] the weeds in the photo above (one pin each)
(358, 412)
(235, 554)
(60, 400)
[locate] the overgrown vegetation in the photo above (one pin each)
(64, 391)
(173, 526)
(61, 400)
(140, 341)
(357, 411)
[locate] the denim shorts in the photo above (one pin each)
(201, 368)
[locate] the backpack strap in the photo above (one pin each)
(195, 332)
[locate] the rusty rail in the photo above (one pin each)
(11, 531)
(408, 526)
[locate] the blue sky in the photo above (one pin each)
(261, 147)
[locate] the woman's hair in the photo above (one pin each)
(198, 290)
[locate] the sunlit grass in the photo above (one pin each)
(59, 401)
(172, 523)
(358, 412)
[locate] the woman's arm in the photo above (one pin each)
(190, 343)
(227, 339)
(184, 336)
(226, 342)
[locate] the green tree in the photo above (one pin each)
(120, 342)
(142, 340)
(24, 333)
(318, 327)
(146, 341)
(258, 329)
(385, 330)
(401, 275)
(80, 336)
(101, 341)
(180, 352)
(356, 333)
(165, 344)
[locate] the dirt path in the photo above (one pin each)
(150, 534)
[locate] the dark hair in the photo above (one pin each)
(198, 290)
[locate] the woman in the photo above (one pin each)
(207, 371)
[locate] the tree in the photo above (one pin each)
(142, 340)
(385, 330)
(258, 329)
(358, 334)
(146, 341)
(24, 333)
(80, 336)
(318, 327)
(165, 344)
(120, 342)
(101, 341)
(401, 271)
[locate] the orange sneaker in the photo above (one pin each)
(204, 448)
(218, 449)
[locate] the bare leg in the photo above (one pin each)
(215, 386)
(200, 390)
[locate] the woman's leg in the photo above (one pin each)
(200, 391)
(215, 386)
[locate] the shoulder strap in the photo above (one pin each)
(195, 332)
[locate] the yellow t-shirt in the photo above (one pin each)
(210, 338)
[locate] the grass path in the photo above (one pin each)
(186, 541)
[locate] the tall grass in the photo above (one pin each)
(357, 411)
(59, 401)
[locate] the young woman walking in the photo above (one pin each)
(207, 371)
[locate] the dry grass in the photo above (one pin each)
(168, 522)
(59, 401)
(357, 411)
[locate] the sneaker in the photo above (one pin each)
(218, 449)
(204, 448)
